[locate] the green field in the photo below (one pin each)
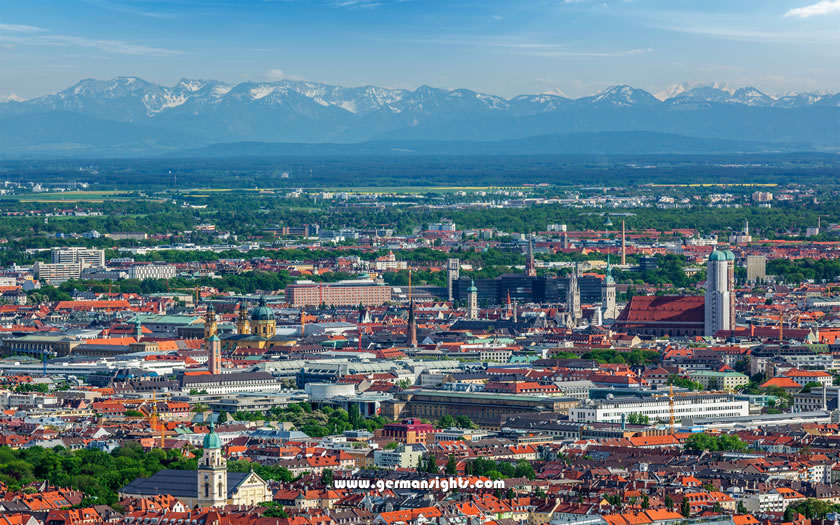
(73, 196)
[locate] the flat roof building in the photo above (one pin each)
(707, 405)
(343, 293)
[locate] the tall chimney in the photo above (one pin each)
(412, 326)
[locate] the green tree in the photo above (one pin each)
(451, 465)
(685, 508)
(465, 422)
(789, 514)
(524, 470)
(273, 510)
(445, 421)
(812, 508)
(327, 478)
(24, 388)
(683, 382)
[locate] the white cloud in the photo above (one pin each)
(588, 54)
(21, 28)
(355, 4)
(823, 7)
(19, 34)
(275, 74)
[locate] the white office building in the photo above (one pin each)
(57, 273)
(659, 408)
(404, 456)
(85, 256)
(152, 271)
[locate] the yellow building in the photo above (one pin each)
(243, 325)
(210, 327)
(262, 320)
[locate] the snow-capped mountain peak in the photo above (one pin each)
(145, 116)
(623, 96)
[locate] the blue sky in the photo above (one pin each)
(504, 47)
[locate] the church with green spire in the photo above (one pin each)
(211, 485)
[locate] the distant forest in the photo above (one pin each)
(429, 171)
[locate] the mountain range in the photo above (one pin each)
(127, 116)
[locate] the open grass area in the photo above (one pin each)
(73, 196)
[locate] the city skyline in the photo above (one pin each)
(577, 47)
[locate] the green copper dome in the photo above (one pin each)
(211, 440)
(717, 256)
(472, 288)
(729, 255)
(262, 312)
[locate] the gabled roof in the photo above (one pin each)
(179, 483)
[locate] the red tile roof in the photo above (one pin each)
(667, 309)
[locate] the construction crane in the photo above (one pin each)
(409, 286)
(671, 408)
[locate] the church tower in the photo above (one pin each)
(210, 322)
(453, 273)
(262, 320)
(573, 307)
(212, 473)
(138, 329)
(472, 301)
(243, 325)
(608, 294)
(531, 268)
(214, 354)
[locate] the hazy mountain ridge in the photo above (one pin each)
(154, 119)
